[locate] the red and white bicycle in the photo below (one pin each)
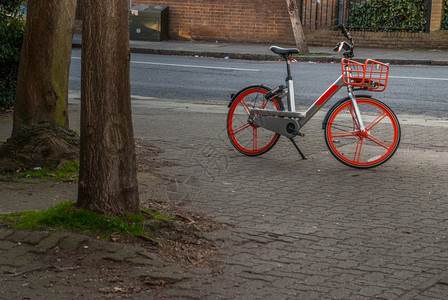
(360, 131)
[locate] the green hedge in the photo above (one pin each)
(388, 15)
(12, 28)
(445, 16)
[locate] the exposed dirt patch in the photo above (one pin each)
(180, 241)
(147, 157)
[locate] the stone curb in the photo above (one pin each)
(269, 57)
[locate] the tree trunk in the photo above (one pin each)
(42, 89)
(297, 29)
(42, 85)
(108, 175)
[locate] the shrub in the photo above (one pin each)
(12, 28)
(388, 15)
(445, 16)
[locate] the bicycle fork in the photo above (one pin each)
(356, 108)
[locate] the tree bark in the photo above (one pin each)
(108, 175)
(297, 29)
(42, 84)
(41, 135)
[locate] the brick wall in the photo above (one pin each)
(227, 20)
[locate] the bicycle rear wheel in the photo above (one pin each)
(362, 149)
(246, 138)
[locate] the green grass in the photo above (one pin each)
(157, 215)
(69, 172)
(66, 216)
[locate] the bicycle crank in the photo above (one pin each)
(284, 126)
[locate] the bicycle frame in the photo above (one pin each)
(304, 117)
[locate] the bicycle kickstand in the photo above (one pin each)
(297, 147)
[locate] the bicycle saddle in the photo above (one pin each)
(283, 51)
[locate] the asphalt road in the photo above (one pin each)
(411, 89)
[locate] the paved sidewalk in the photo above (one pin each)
(262, 52)
(312, 229)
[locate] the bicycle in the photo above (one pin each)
(360, 131)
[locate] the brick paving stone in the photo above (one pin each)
(184, 294)
(17, 257)
(370, 291)
(35, 237)
(72, 242)
(168, 274)
(145, 262)
(439, 291)
(391, 294)
(19, 236)
(7, 245)
(103, 245)
(5, 233)
(50, 241)
(121, 255)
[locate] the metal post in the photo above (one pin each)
(428, 17)
(341, 12)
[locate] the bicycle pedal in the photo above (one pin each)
(297, 133)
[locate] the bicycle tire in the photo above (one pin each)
(250, 139)
(362, 150)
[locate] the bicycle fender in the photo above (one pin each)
(235, 95)
(327, 116)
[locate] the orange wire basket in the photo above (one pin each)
(371, 75)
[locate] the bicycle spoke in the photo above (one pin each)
(241, 128)
(265, 102)
(376, 121)
(378, 142)
(343, 134)
(255, 138)
(245, 106)
(340, 127)
(358, 149)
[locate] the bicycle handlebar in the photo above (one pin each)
(348, 47)
(345, 32)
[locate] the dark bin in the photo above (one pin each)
(148, 23)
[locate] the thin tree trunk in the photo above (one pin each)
(41, 135)
(108, 176)
(42, 84)
(297, 29)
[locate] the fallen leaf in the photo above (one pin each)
(155, 282)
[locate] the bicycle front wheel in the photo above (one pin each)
(247, 138)
(365, 149)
